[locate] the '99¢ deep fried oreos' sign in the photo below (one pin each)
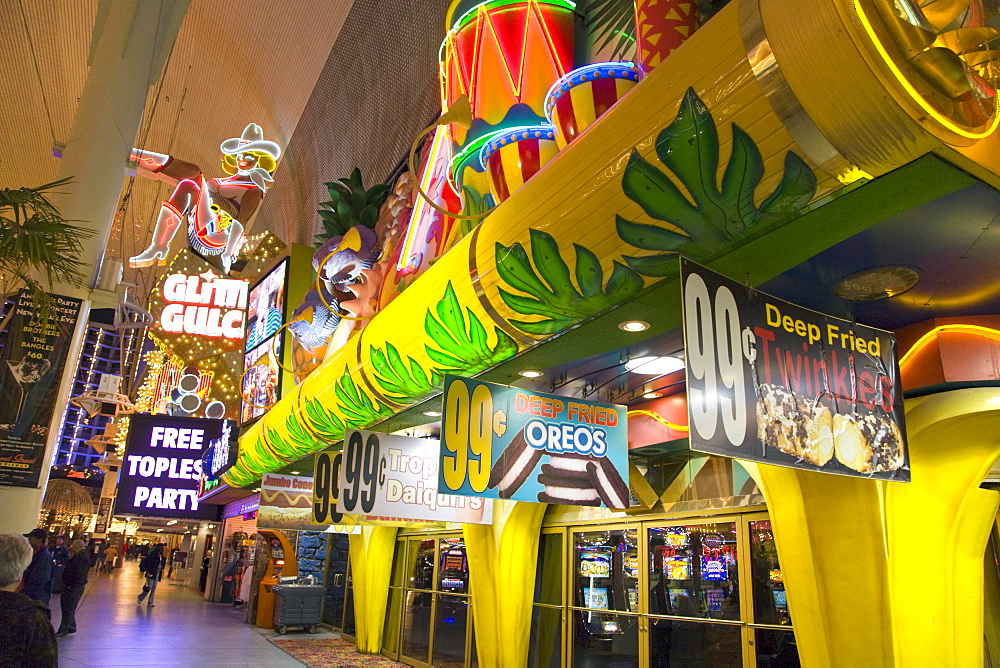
(501, 442)
(162, 467)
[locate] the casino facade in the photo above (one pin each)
(683, 319)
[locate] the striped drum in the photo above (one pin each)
(512, 157)
(578, 99)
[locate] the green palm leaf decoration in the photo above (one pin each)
(462, 346)
(301, 440)
(282, 450)
(325, 423)
(716, 217)
(609, 21)
(549, 288)
(357, 407)
(473, 204)
(402, 383)
(350, 204)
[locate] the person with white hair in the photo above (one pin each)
(26, 635)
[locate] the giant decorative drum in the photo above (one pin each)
(512, 157)
(578, 99)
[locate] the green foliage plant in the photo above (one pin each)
(35, 240)
(402, 383)
(715, 217)
(462, 344)
(549, 289)
(326, 424)
(356, 406)
(350, 204)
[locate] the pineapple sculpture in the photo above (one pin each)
(346, 250)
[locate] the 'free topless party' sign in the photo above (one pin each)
(31, 365)
(503, 442)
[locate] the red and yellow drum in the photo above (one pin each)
(578, 99)
(512, 157)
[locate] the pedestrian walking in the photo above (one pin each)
(110, 556)
(26, 635)
(38, 575)
(74, 582)
(152, 568)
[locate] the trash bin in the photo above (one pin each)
(298, 605)
(228, 583)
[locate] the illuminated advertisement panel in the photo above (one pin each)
(161, 468)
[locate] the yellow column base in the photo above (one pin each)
(937, 527)
(887, 573)
(502, 561)
(371, 567)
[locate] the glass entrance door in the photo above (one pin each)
(428, 621)
(705, 593)
(337, 551)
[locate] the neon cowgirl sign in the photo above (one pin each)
(205, 305)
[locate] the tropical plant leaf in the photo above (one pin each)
(326, 424)
(350, 204)
(281, 449)
(402, 383)
(550, 291)
(473, 204)
(35, 240)
(713, 216)
(462, 341)
(356, 406)
(302, 440)
(610, 20)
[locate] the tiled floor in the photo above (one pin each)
(181, 630)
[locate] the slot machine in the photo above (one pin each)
(281, 564)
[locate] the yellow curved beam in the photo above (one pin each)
(659, 418)
(932, 335)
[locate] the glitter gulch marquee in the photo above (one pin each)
(204, 305)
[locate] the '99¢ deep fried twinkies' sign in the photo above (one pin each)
(503, 442)
(384, 477)
(772, 382)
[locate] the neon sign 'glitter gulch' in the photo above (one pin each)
(204, 305)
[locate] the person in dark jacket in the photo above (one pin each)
(26, 635)
(38, 575)
(60, 557)
(152, 567)
(74, 582)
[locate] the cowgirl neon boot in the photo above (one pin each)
(166, 227)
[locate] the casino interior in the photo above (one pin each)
(693, 306)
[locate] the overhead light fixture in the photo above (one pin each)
(432, 413)
(652, 395)
(295, 472)
(633, 326)
(874, 284)
(654, 365)
(531, 373)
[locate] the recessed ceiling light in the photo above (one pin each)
(652, 395)
(432, 413)
(633, 326)
(295, 472)
(878, 283)
(654, 366)
(531, 373)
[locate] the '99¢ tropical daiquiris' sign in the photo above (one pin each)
(772, 382)
(502, 442)
(389, 478)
